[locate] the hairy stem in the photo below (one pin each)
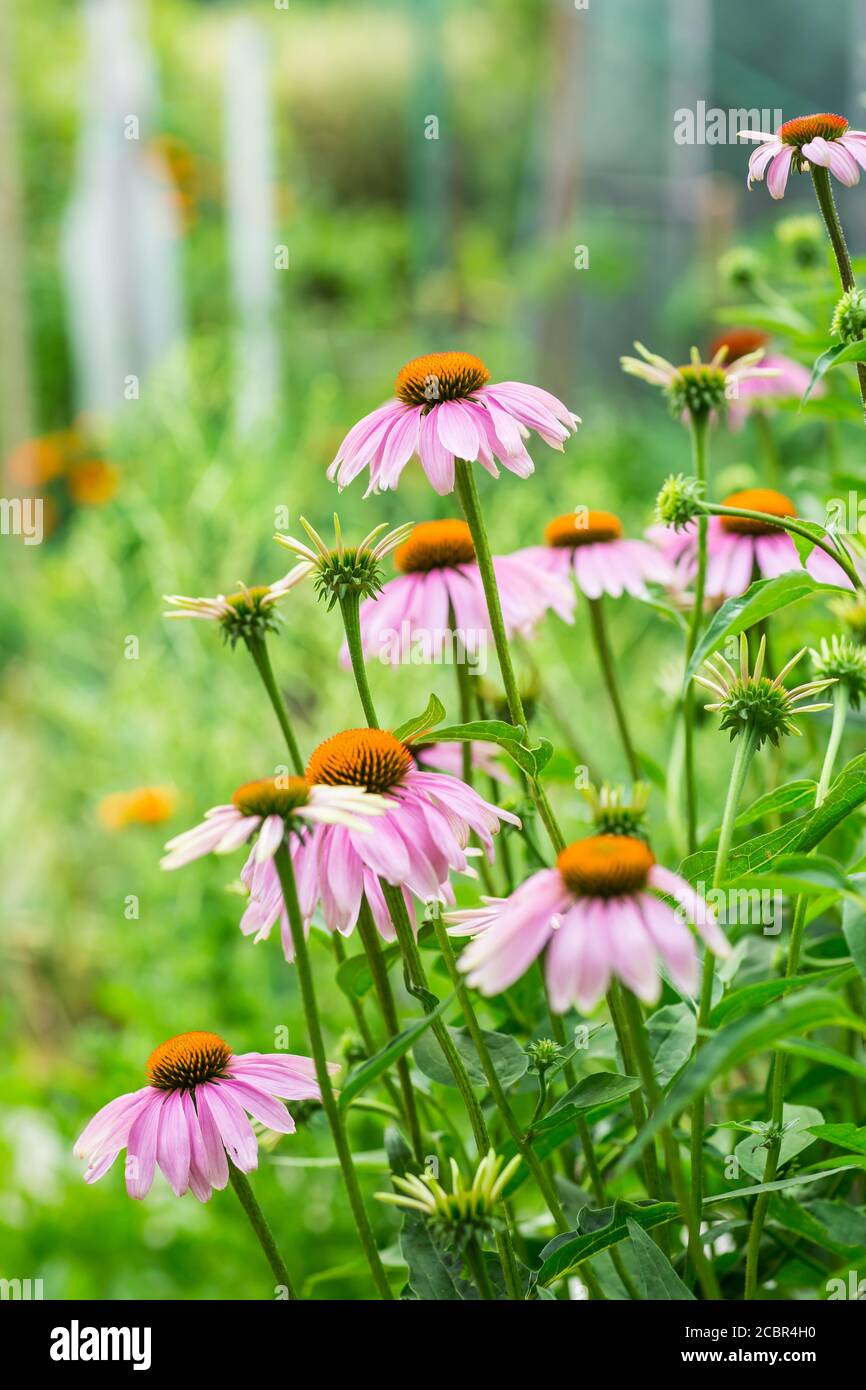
(247, 1198)
(259, 652)
(700, 425)
(350, 605)
(608, 671)
(827, 204)
(283, 863)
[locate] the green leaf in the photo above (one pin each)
(656, 1276)
(797, 1136)
(354, 977)
(829, 1230)
(854, 927)
(788, 797)
(795, 1014)
(824, 1055)
(672, 1032)
(433, 1272)
(796, 1180)
(843, 1136)
(845, 795)
(510, 1062)
(507, 736)
(373, 1067)
(761, 599)
(796, 873)
(601, 1088)
(564, 1255)
(421, 723)
(836, 356)
(751, 998)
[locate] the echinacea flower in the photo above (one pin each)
(699, 388)
(191, 1118)
(249, 613)
(842, 660)
(466, 1210)
(739, 548)
(596, 916)
(421, 838)
(341, 571)
(444, 410)
(758, 392)
(590, 546)
(824, 139)
(753, 704)
(439, 588)
(272, 808)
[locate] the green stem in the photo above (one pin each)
(283, 863)
(827, 204)
(264, 1235)
(745, 751)
(608, 671)
(795, 528)
(259, 652)
(382, 985)
(474, 1256)
(700, 425)
(778, 1064)
(640, 1047)
(524, 1148)
(650, 1164)
(465, 702)
(767, 441)
(467, 492)
(350, 605)
(416, 980)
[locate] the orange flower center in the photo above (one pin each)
(739, 342)
(605, 866)
(371, 758)
(440, 376)
(805, 128)
(756, 499)
(435, 545)
(188, 1060)
(582, 528)
(271, 796)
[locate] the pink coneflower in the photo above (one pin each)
(269, 808)
(597, 915)
(590, 545)
(823, 139)
(757, 393)
(739, 548)
(192, 1116)
(445, 410)
(439, 588)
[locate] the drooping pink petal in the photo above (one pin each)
(777, 174)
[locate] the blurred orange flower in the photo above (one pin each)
(141, 806)
(93, 482)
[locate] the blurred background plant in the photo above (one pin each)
(225, 227)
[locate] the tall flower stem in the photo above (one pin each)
(652, 1173)
(350, 605)
(827, 204)
(474, 1257)
(283, 863)
(387, 1004)
(608, 671)
(467, 491)
(512, 1124)
(259, 652)
(264, 1235)
(794, 528)
(777, 1066)
(700, 424)
(640, 1046)
(418, 985)
(745, 751)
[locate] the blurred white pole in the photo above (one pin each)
(250, 210)
(15, 403)
(120, 239)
